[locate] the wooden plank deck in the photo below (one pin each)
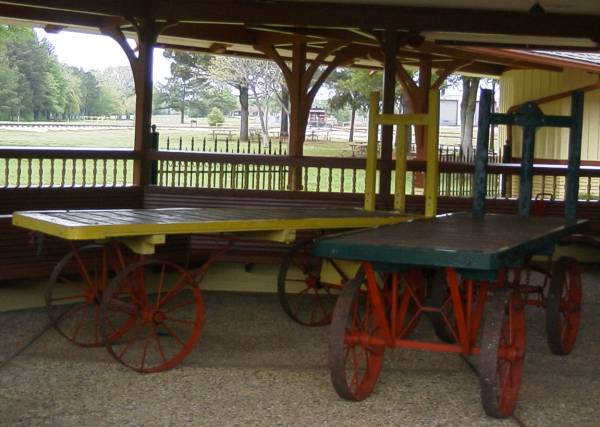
(458, 240)
(102, 224)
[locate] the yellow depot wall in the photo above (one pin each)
(520, 86)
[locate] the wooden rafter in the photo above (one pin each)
(327, 50)
(443, 73)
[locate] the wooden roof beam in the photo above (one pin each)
(336, 15)
(219, 33)
(54, 17)
(485, 56)
(104, 7)
(360, 16)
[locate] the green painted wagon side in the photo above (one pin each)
(461, 241)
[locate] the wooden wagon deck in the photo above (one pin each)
(460, 240)
(103, 224)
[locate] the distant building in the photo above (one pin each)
(317, 117)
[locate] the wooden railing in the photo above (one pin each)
(67, 168)
(62, 168)
(346, 175)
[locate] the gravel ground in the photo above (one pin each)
(253, 366)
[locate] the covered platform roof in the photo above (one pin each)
(485, 40)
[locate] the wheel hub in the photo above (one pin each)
(90, 295)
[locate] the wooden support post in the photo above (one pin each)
(371, 167)
(433, 171)
(302, 90)
(481, 155)
(572, 184)
(400, 175)
(141, 66)
(298, 115)
(526, 180)
(389, 46)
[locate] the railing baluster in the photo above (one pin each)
(125, 171)
(589, 188)
(305, 178)
(83, 172)
(63, 172)
(269, 186)
(94, 171)
(29, 172)
(73, 172)
(6, 169)
(104, 172)
(18, 181)
(318, 179)
(40, 173)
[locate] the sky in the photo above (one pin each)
(97, 52)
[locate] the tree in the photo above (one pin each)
(9, 90)
(118, 82)
(256, 79)
(352, 88)
(468, 104)
(214, 96)
(188, 79)
(35, 85)
(215, 117)
(284, 100)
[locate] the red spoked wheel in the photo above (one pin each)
(502, 352)
(74, 292)
(304, 297)
(354, 360)
(158, 310)
(563, 310)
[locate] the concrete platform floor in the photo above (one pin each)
(253, 366)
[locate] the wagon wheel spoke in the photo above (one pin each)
(145, 349)
(161, 282)
(184, 321)
(71, 297)
(178, 306)
(161, 352)
(173, 334)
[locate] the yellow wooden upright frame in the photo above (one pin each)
(431, 121)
